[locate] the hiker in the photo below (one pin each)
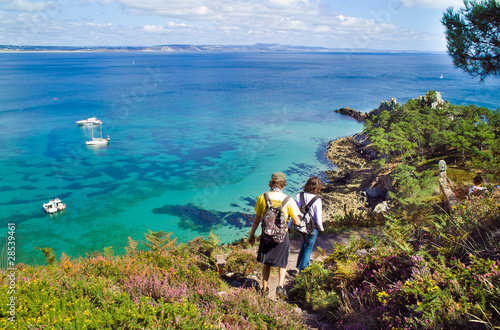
(309, 203)
(476, 187)
(273, 254)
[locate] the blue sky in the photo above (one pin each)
(374, 24)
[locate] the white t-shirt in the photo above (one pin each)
(472, 189)
(316, 210)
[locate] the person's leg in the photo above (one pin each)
(266, 270)
(308, 247)
(282, 274)
(280, 290)
(302, 248)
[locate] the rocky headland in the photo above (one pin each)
(355, 186)
(362, 116)
(425, 100)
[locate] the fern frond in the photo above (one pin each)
(159, 240)
(50, 256)
(108, 251)
(132, 245)
(65, 258)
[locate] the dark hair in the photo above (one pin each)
(477, 180)
(313, 185)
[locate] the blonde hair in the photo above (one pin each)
(277, 184)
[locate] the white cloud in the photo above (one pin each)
(175, 25)
(154, 22)
(195, 10)
(27, 6)
(432, 4)
(283, 3)
(168, 27)
(153, 28)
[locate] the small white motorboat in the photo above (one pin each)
(59, 204)
(97, 141)
(90, 121)
(53, 206)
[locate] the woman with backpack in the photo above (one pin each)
(312, 209)
(274, 208)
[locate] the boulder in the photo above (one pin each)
(362, 116)
(358, 115)
(432, 100)
(382, 207)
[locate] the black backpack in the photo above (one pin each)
(274, 225)
(306, 221)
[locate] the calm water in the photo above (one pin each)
(194, 136)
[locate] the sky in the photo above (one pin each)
(359, 24)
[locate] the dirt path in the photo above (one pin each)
(340, 196)
(325, 242)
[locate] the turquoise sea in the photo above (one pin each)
(194, 136)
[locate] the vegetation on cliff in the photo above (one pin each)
(429, 268)
(418, 129)
(166, 286)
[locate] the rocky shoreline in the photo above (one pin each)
(355, 186)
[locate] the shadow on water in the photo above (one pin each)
(198, 219)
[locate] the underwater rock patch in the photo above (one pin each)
(198, 219)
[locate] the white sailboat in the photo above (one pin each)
(89, 121)
(96, 141)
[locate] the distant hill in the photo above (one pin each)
(188, 48)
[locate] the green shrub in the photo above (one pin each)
(167, 287)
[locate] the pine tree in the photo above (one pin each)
(473, 37)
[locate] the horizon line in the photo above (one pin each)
(215, 47)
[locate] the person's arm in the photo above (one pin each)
(291, 221)
(294, 212)
(255, 225)
(318, 212)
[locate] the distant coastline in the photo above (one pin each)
(199, 48)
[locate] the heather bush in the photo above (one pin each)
(241, 263)
(353, 220)
(443, 273)
(167, 286)
(472, 228)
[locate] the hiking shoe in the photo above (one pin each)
(264, 293)
(281, 292)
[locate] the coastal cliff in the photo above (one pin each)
(355, 186)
